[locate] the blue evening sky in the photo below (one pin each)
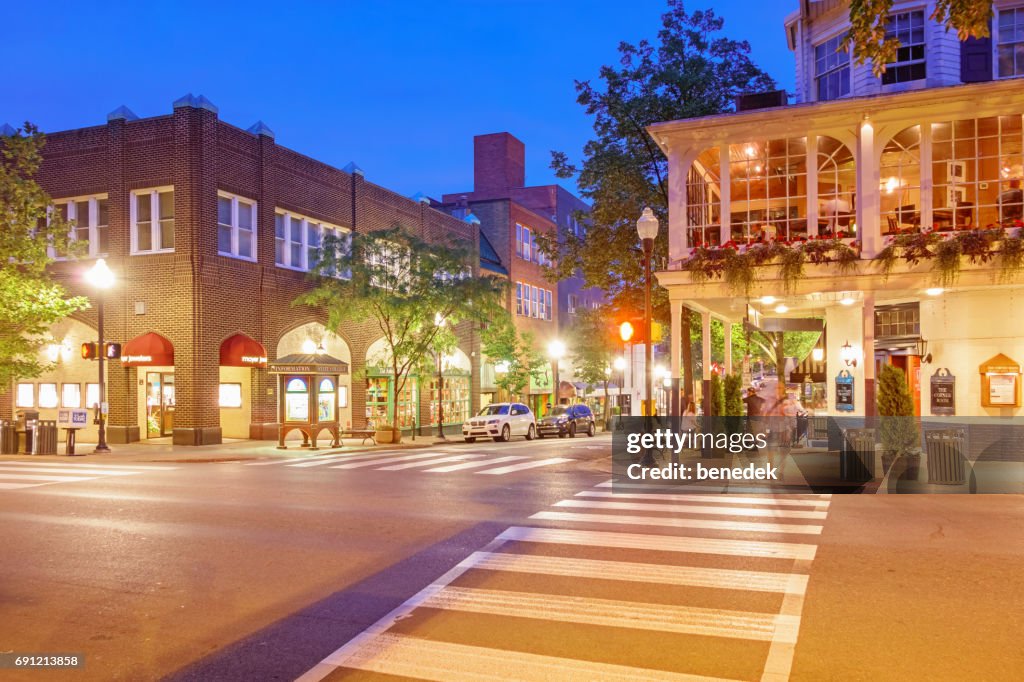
(398, 87)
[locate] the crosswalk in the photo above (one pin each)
(720, 579)
(17, 475)
(433, 462)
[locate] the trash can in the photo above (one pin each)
(857, 458)
(945, 449)
(44, 438)
(8, 438)
(25, 426)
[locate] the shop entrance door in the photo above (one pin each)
(159, 404)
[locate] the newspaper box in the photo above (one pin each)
(71, 420)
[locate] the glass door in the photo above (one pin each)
(159, 404)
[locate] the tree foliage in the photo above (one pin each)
(868, 20)
(515, 355)
(593, 348)
(29, 300)
(405, 285)
(896, 408)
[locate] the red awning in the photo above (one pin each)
(148, 350)
(241, 351)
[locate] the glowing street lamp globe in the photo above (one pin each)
(100, 275)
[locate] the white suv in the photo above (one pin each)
(501, 421)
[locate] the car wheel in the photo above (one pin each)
(540, 435)
(591, 431)
(506, 434)
(471, 440)
(572, 430)
(531, 433)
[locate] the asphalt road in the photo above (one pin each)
(511, 560)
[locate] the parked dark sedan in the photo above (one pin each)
(567, 420)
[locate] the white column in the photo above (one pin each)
(812, 185)
(705, 344)
(727, 329)
(725, 229)
(678, 170)
(676, 312)
(868, 220)
(868, 346)
(927, 180)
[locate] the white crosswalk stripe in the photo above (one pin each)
(526, 465)
(17, 475)
(475, 465)
(491, 463)
(429, 462)
(683, 530)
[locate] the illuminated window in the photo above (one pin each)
(92, 395)
(47, 395)
(71, 395)
(768, 188)
(230, 395)
(26, 396)
(900, 168)
(703, 199)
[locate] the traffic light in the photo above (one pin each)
(626, 331)
(111, 351)
(89, 350)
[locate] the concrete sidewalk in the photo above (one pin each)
(225, 452)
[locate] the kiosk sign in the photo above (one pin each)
(72, 418)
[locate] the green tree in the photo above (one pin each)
(515, 355)
(733, 387)
(593, 348)
(775, 347)
(690, 70)
(432, 364)
(717, 396)
(868, 20)
(29, 300)
(404, 284)
(896, 409)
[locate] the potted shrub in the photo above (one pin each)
(385, 433)
(899, 431)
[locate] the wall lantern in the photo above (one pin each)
(922, 351)
(848, 355)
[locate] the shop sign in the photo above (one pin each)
(844, 391)
(943, 389)
(127, 359)
(254, 360)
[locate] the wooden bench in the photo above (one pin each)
(365, 434)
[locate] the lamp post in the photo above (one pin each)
(647, 228)
(101, 278)
(556, 349)
(440, 322)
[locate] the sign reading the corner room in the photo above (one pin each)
(943, 393)
(844, 391)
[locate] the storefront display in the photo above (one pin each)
(454, 399)
(379, 397)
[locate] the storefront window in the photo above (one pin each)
(454, 399)
(47, 395)
(379, 397)
(900, 190)
(703, 199)
(26, 396)
(325, 400)
(296, 400)
(92, 395)
(768, 189)
(230, 395)
(71, 395)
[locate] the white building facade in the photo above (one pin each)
(888, 208)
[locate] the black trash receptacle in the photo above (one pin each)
(857, 458)
(8, 438)
(946, 464)
(44, 438)
(26, 424)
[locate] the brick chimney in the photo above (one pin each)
(499, 163)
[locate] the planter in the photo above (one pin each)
(902, 468)
(385, 436)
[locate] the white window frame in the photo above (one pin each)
(304, 222)
(519, 298)
(996, 42)
(20, 394)
(519, 240)
(550, 299)
(848, 65)
(91, 222)
(924, 45)
(154, 220)
(527, 253)
(235, 229)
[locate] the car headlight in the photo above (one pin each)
(562, 420)
(493, 421)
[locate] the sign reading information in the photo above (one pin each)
(844, 391)
(943, 393)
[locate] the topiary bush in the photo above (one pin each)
(896, 408)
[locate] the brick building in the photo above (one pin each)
(511, 215)
(210, 230)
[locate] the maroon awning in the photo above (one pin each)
(148, 350)
(241, 351)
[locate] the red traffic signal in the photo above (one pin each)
(111, 351)
(89, 350)
(626, 331)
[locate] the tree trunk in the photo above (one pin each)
(607, 404)
(396, 433)
(780, 364)
(689, 390)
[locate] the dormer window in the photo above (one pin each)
(831, 70)
(908, 28)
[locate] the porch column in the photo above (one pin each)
(868, 207)
(678, 228)
(725, 231)
(812, 185)
(705, 348)
(727, 328)
(675, 353)
(927, 179)
(868, 320)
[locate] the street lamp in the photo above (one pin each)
(101, 278)
(440, 322)
(556, 350)
(647, 228)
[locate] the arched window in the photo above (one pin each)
(837, 189)
(900, 190)
(704, 199)
(976, 172)
(768, 189)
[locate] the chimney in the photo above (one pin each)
(499, 163)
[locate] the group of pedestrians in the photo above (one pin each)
(779, 416)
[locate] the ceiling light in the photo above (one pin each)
(768, 300)
(846, 300)
(934, 291)
(751, 152)
(781, 308)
